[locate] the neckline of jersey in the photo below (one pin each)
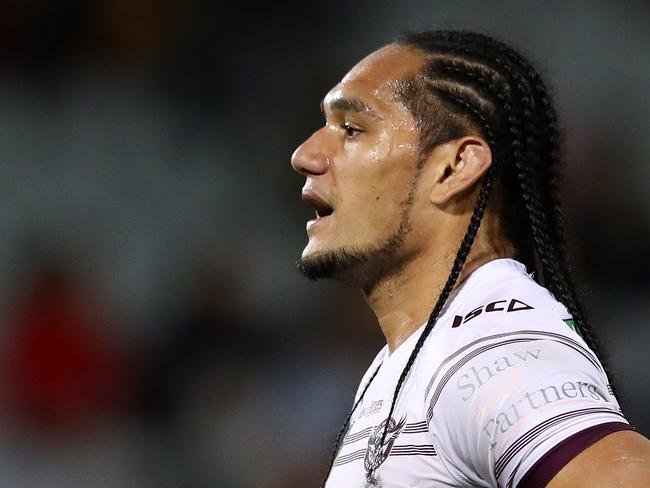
(497, 267)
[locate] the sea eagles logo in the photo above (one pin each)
(376, 454)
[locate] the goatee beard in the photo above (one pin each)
(358, 267)
(364, 267)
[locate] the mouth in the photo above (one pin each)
(322, 208)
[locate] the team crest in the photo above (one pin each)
(376, 454)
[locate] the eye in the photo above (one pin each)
(350, 131)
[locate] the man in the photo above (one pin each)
(434, 181)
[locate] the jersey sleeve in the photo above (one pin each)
(499, 404)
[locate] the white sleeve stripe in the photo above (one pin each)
(536, 431)
(512, 477)
(585, 352)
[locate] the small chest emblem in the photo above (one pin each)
(376, 454)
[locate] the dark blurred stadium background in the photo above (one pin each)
(154, 332)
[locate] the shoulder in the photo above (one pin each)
(505, 378)
(504, 312)
(505, 305)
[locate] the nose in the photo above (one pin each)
(308, 159)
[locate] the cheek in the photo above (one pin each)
(395, 176)
(375, 207)
(381, 150)
(376, 183)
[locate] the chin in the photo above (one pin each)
(319, 246)
(338, 264)
(356, 265)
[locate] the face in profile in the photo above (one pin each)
(361, 171)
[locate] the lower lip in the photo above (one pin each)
(316, 221)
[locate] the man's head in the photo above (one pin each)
(380, 191)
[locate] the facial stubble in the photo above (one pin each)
(363, 267)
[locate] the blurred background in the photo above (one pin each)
(154, 332)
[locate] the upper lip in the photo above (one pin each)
(311, 197)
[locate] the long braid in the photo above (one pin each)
(549, 223)
(546, 112)
(549, 117)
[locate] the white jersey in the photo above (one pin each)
(501, 381)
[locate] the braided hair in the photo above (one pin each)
(473, 84)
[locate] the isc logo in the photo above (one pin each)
(513, 305)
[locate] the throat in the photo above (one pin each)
(404, 303)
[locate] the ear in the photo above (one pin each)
(462, 162)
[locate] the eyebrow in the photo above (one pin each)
(343, 104)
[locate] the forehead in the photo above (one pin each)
(372, 79)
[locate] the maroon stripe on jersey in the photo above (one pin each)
(402, 450)
(414, 450)
(362, 434)
(532, 434)
(541, 473)
(348, 458)
(539, 429)
(414, 428)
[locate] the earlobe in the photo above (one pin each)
(472, 159)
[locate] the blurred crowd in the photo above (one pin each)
(153, 330)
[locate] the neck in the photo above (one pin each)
(403, 302)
